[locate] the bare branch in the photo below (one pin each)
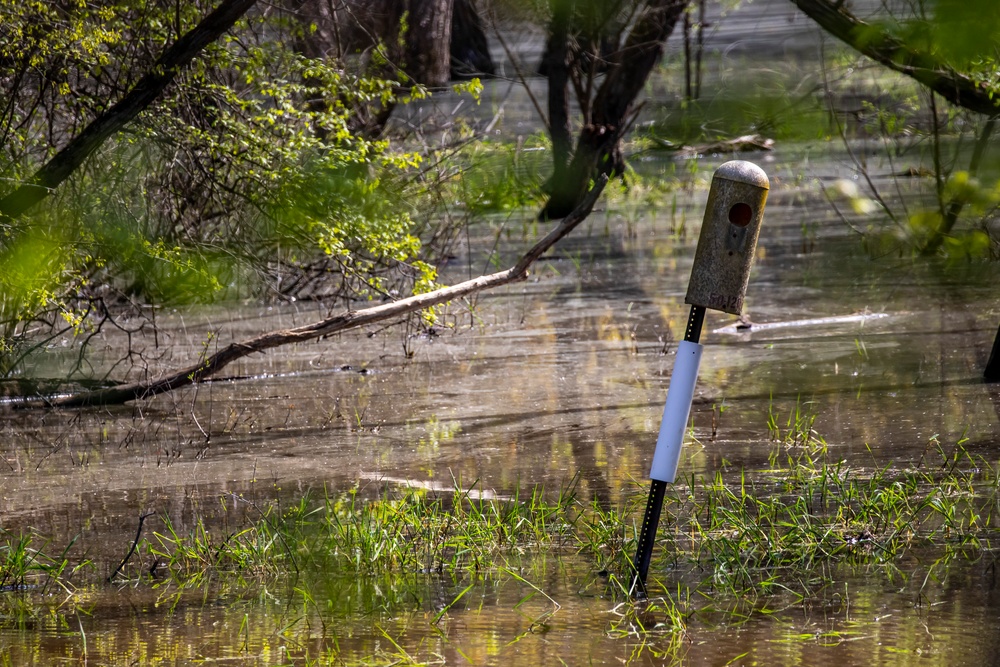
(342, 322)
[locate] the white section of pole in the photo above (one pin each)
(676, 411)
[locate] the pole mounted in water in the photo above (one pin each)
(719, 277)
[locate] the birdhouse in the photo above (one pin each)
(728, 238)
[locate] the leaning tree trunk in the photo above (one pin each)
(64, 163)
(598, 148)
(923, 66)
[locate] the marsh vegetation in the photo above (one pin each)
(464, 486)
(742, 544)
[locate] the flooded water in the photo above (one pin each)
(557, 380)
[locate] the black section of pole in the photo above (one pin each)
(657, 488)
(647, 536)
(992, 372)
(695, 320)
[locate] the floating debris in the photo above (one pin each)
(743, 325)
(437, 487)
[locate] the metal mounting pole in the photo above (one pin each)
(992, 371)
(720, 272)
(657, 489)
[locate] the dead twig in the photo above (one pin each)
(135, 544)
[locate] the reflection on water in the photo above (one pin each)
(509, 622)
(559, 378)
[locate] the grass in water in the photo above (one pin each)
(417, 532)
(802, 522)
(785, 527)
(737, 531)
(25, 566)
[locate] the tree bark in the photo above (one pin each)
(890, 52)
(428, 42)
(342, 322)
(149, 87)
(992, 371)
(598, 148)
(556, 68)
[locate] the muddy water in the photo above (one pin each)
(564, 375)
(558, 379)
(955, 625)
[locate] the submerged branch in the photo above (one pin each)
(342, 322)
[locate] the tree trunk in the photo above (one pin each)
(598, 149)
(556, 68)
(413, 36)
(992, 370)
(428, 42)
(145, 92)
(470, 52)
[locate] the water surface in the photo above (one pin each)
(555, 381)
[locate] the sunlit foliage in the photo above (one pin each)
(249, 176)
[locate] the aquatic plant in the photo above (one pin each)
(733, 544)
(24, 565)
(414, 531)
(785, 527)
(257, 547)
